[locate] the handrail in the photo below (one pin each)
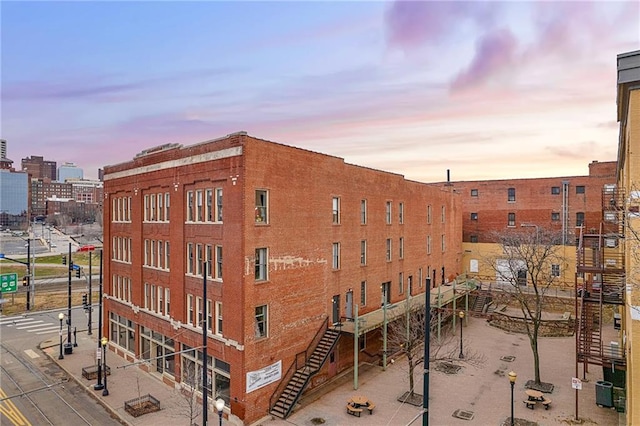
(295, 365)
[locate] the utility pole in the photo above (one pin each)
(427, 350)
(68, 347)
(29, 278)
(90, 307)
(205, 372)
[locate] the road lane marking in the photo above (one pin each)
(33, 324)
(11, 412)
(12, 322)
(31, 353)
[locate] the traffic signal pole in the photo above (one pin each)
(90, 303)
(68, 347)
(29, 280)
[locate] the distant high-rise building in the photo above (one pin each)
(69, 171)
(14, 199)
(5, 163)
(39, 168)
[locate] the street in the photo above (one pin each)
(34, 389)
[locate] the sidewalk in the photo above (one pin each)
(123, 384)
(483, 391)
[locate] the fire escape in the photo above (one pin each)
(600, 281)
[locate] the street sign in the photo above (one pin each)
(8, 283)
(576, 383)
(98, 354)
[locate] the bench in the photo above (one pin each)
(371, 406)
(530, 404)
(546, 403)
(353, 410)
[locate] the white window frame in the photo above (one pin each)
(335, 209)
(262, 264)
(264, 314)
(335, 256)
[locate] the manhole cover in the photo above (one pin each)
(508, 358)
(462, 414)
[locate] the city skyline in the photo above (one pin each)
(489, 90)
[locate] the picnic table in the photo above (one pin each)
(357, 403)
(533, 397)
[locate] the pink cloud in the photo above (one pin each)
(495, 52)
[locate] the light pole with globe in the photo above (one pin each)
(61, 317)
(104, 342)
(219, 407)
(512, 381)
(461, 316)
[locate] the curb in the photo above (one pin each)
(88, 389)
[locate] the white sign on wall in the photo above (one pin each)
(473, 265)
(264, 376)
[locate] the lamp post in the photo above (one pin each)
(219, 407)
(104, 341)
(61, 317)
(512, 381)
(461, 316)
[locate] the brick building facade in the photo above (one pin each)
(288, 239)
(557, 203)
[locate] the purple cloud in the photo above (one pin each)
(410, 24)
(495, 52)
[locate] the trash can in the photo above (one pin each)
(604, 394)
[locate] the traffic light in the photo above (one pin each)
(78, 273)
(25, 280)
(85, 301)
(64, 259)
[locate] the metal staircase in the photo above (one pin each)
(306, 364)
(600, 279)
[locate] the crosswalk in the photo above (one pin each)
(30, 325)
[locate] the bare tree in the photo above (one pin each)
(189, 396)
(531, 262)
(406, 336)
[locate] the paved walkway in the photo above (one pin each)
(483, 391)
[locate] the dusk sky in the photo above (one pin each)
(489, 90)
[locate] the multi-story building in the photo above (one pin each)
(287, 243)
(69, 171)
(14, 199)
(44, 189)
(489, 207)
(628, 215)
(86, 190)
(39, 168)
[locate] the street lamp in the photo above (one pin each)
(461, 316)
(104, 341)
(219, 407)
(512, 381)
(61, 317)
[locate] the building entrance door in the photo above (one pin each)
(336, 309)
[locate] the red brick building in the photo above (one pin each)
(288, 239)
(558, 203)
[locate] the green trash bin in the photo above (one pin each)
(604, 394)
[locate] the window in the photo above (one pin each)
(511, 195)
(166, 255)
(401, 248)
(152, 202)
(209, 260)
(190, 309)
(200, 259)
(146, 208)
(209, 203)
(400, 283)
(555, 270)
(428, 244)
(386, 293)
(219, 262)
(190, 258)
(261, 321)
(336, 210)
(336, 256)
(199, 206)
(473, 238)
(401, 213)
(555, 216)
(160, 301)
(388, 255)
(190, 206)
(444, 214)
(388, 213)
(363, 293)
(167, 301)
(166, 206)
(474, 216)
(219, 205)
(511, 219)
(555, 190)
(261, 264)
(429, 214)
(261, 206)
(146, 295)
(363, 252)
(579, 218)
(443, 242)
(363, 212)
(580, 189)
(209, 316)
(199, 312)
(160, 208)
(219, 318)
(474, 192)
